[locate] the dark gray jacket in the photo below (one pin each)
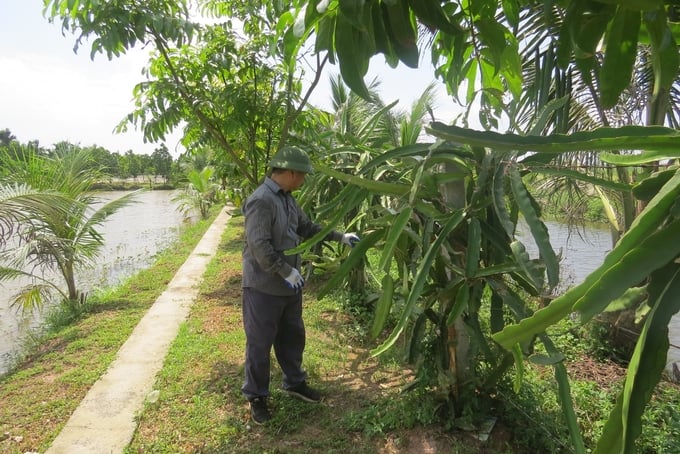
(274, 223)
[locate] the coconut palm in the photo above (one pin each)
(201, 192)
(19, 203)
(50, 221)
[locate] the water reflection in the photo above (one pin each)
(133, 236)
(132, 239)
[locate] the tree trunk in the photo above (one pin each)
(458, 340)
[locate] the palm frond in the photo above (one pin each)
(411, 125)
(22, 205)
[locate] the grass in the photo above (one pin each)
(40, 393)
(200, 408)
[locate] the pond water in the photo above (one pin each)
(582, 251)
(132, 239)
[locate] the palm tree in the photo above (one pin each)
(49, 221)
(19, 203)
(201, 193)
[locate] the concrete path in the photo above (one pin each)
(104, 422)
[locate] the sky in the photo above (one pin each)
(51, 94)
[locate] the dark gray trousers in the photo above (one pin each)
(272, 321)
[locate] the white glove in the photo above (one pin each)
(350, 239)
(294, 280)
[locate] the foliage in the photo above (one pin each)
(493, 57)
(144, 21)
(363, 395)
(201, 192)
(650, 233)
(444, 214)
(357, 131)
(228, 94)
(469, 45)
(49, 238)
(109, 165)
(449, 261)
(229, 97)
(21, 204)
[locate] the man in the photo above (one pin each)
(272, 283)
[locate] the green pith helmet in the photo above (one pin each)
(291, 158)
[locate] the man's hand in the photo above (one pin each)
(294, 280)
(350, 239)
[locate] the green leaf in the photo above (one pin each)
(511, 11)
(399, 23)
(652, 253)
(665, 56)
(611, 440)
(353, 64)
(419, 281)
(646, 365)
(503, 268)
(624, 138)
(545, 360)
(639, 158)
(353, 11)
(647, 188)
(565, 399)
(416, 150)
(492, 34)
(415, 181)
(382, 308)
(532, 270)
(459, 305)
(374, 120)
(382, 40)
(649, 358)
(431, 13)
(474, 245)
(511, 70)
(587, 25)
(640, 5)
(395, 232)
(564, 43)
(608, 209)
(630, 297)
(538, 229)
(620, 53)
(547, 112)
(643, 226)
(580, 176)
(325, 30)
(519, 365)
(353, 196)
(378, 187)
(496, 316)
(358, 252)
(499, 204)
(402, 32)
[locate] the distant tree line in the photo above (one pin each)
(113, 164)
